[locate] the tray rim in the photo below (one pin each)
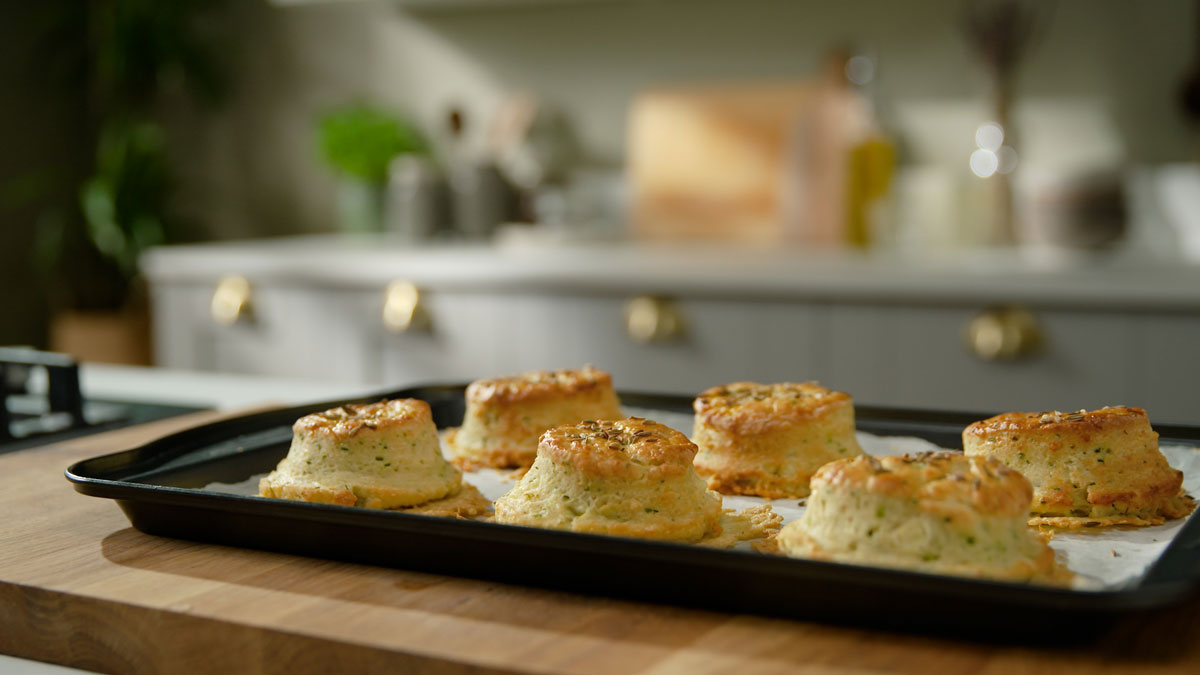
(1168, 581)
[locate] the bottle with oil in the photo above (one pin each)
(871, 161)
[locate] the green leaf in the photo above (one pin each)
(360, 141)
(98, 210)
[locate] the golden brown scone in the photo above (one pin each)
(1089, 468)
(767, 440)
(506, 416)
(377, 455)
(630, 478)
(938, 512)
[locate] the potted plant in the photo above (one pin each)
(101, 313)
(121, 52)
(359, 142)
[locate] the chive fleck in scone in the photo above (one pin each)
(1090, 468)
(378, 455)
(630, 478)
(767, 440)
(938, 512)
(506, 416)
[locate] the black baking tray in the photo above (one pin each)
(157, 486)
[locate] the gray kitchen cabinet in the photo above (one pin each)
(468, 336)
(720, 340)
(918, 356)
(297, 331)
(884, 335)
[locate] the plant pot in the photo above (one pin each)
(360, 206)
(118, 336)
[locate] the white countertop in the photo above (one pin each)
(221, 391)
(11, 665)
(1115, 279)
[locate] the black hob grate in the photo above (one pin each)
(43, 402)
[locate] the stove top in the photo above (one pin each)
(43, 403)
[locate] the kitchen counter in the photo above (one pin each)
(220, 391)
(1119, 279)
(79, 586)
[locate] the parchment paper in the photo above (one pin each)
(1105, 558)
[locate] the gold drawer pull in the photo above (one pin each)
(1004, 334)
(231, 300)
(650, 319)
(403, 309)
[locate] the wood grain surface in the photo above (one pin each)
(79, 586)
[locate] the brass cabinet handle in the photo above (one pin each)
(231, 300)
(403, 309)
(1004, 334)
(650, 319)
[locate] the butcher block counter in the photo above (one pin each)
(79, 586)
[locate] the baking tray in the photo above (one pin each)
(158, 486)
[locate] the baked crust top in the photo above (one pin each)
(537, 384)
(1104, 419)
(347, 420)
(618, 448)
(748, 408)
(945, 482)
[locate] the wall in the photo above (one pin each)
(252, 169)
(44, 148)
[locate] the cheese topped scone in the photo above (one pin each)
(937, 512)
(376, 455)
(629, 478)
(1089, 468)
(505, 416)
(767, 440)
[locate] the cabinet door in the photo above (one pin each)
(721, 341)
(470, 335)
(179, 313)
(298, 331)
(290, 331)
(917, 356)
(1164, 351)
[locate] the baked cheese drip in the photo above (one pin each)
(937, 512)
(506, 416)
(767, 440)
(377, 455)
(629, 478)
(1089, 468)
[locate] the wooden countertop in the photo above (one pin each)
(79, 586)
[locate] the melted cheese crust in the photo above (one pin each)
(347, 420)
(934, 512)
(505, 417)
(630, 478)
(377, 455)
(537, 384)
(767, 440)
(749, 408)
(623, 448)
(1088, 468)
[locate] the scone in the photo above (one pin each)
(629, 478)
(938, 512)
(767, 440)
(1089, 468)
(506, 416)
(378, 455)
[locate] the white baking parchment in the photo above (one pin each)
(1104, 558)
